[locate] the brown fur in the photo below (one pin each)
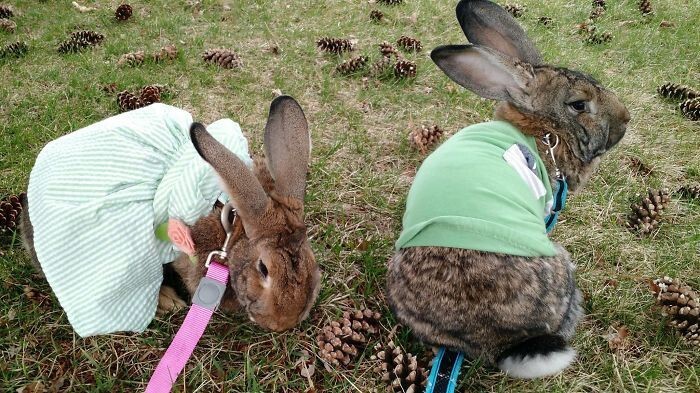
(269, 227)
(269, 204)
(495, 306)
(576, 171)
(482, 303)
(27, 231)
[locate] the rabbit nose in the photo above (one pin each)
(625, 115)
(615, 135)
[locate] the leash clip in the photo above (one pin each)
(228, 227)
(548, 142)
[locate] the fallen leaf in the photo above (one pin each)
(610, 282)
(666, 24)
(654, 287)
(617, 338)
(82, 8)
(57, 384)
(307, 371)
(34, 387)
(305, 365)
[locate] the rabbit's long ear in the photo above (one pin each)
(246, 192)
(487, 24)
(485, 72)
(287, 146)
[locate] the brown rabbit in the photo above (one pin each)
(474, 270)
(274, 275)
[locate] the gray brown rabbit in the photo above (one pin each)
(273, 273)
(474, 270)
(273, 270)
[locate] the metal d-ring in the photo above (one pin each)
(225, 212)
(547, 141)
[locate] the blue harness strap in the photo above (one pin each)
(559, 203)
(447, 363)
(444, 372)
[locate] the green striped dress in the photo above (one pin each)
(95, 198)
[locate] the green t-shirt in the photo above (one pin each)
(466, 195)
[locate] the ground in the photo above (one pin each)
(362, 166)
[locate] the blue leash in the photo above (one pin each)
(446, 364)
(444, 372)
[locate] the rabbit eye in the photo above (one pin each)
(262, 268)
(578, 106)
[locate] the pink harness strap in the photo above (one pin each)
(204, 302)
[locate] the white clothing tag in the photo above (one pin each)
(515, 158)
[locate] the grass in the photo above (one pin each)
(361, 170)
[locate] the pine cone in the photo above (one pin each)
(353, 65)
(692, 192)
(341, 340)
(599, 3)
(72, 46)
(545, 20)
(380, 66)
(128, 101)
(409, 44)
(80, 40)
(387, 49)
(390, 2)
(15, 49)
(6, 12)
(92, 37)
(691, 109)
(596, 38)
(376, 16)
(10, 209)
(425, 137)
(224, 58)
(123, 12)
(168, 52)
(401, 371)
(596, 12)
(682, 305)
(677, 92)
(646, 214)
(645, 7)
(132, 58)
(7, 25)
(150, 94)
(516, 10)
(405, 69)
(334, 45)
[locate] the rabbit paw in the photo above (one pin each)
(168, 301)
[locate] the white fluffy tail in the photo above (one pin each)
(537, 357)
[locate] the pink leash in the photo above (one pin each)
(204, 302)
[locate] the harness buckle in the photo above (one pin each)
(548, 142)
(228, 227)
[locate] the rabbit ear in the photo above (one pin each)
(287, 146)
(246, 192)
(487, 24)
(485, 72)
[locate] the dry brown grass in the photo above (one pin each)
(361, 170)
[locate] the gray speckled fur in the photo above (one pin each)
(482, 303)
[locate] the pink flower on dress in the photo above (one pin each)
(179, 233)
